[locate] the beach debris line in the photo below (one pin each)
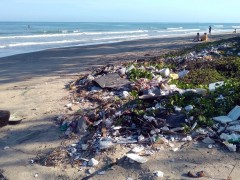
(155, 104)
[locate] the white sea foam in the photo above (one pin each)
(120, 37)
(115, 32)
(236, 27)
(184, 30)
(40, 36)
(32, 43)
(174, 28)
(76, 33)
(119, 25)
(43, 43)
(218, 26)
(178, 30)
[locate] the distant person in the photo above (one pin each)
(210, 29)
(235, 31)
(197, 38)
(204, 37)
(29, 27)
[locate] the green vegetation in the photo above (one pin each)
(223, 67)
(135, 74)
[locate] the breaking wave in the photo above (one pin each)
(174, 28)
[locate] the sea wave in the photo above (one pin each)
(75, 33)
(40, 36)
(236, 27)
(41, 43)
(115, 32)
(181, 30)
(174, 28)
(32, 43)
(218, 26)
(223, 30)
(120, 25)
(120, 37)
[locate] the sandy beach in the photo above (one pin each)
(32, 87)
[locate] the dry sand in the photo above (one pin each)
(32, 86)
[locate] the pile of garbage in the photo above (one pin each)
(143, 103)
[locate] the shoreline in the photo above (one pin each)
(124, 41)
(76, 59)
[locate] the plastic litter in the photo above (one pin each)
(158, 173)
(91, 170)
(137, 158)
(129, 178)
(234, 128)
(122, 71)
(177, 109)
(231, 147)
(210, 146)
(189, 108)
(6, 147)
(215, 85)
(137, 149)
(188, 138)
(84, 147)
(233, 115)
(208, 140)
(165, 72)
(93, 162)
(130, 68)
(105, 144)
(230, 137)
(125, 94)
(174, 76)
(183, 73)
(102, 173)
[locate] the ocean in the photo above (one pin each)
(23, 37)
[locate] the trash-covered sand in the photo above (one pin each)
(155, 110)
(140, 108)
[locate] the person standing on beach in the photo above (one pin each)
(210, 29)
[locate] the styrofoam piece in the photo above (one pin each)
(137, 158)
(215, 85)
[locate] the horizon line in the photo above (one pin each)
(115, 22)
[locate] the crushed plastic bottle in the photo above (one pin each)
(231, 147)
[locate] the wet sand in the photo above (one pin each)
(32, 86)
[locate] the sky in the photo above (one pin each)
(120, 10)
